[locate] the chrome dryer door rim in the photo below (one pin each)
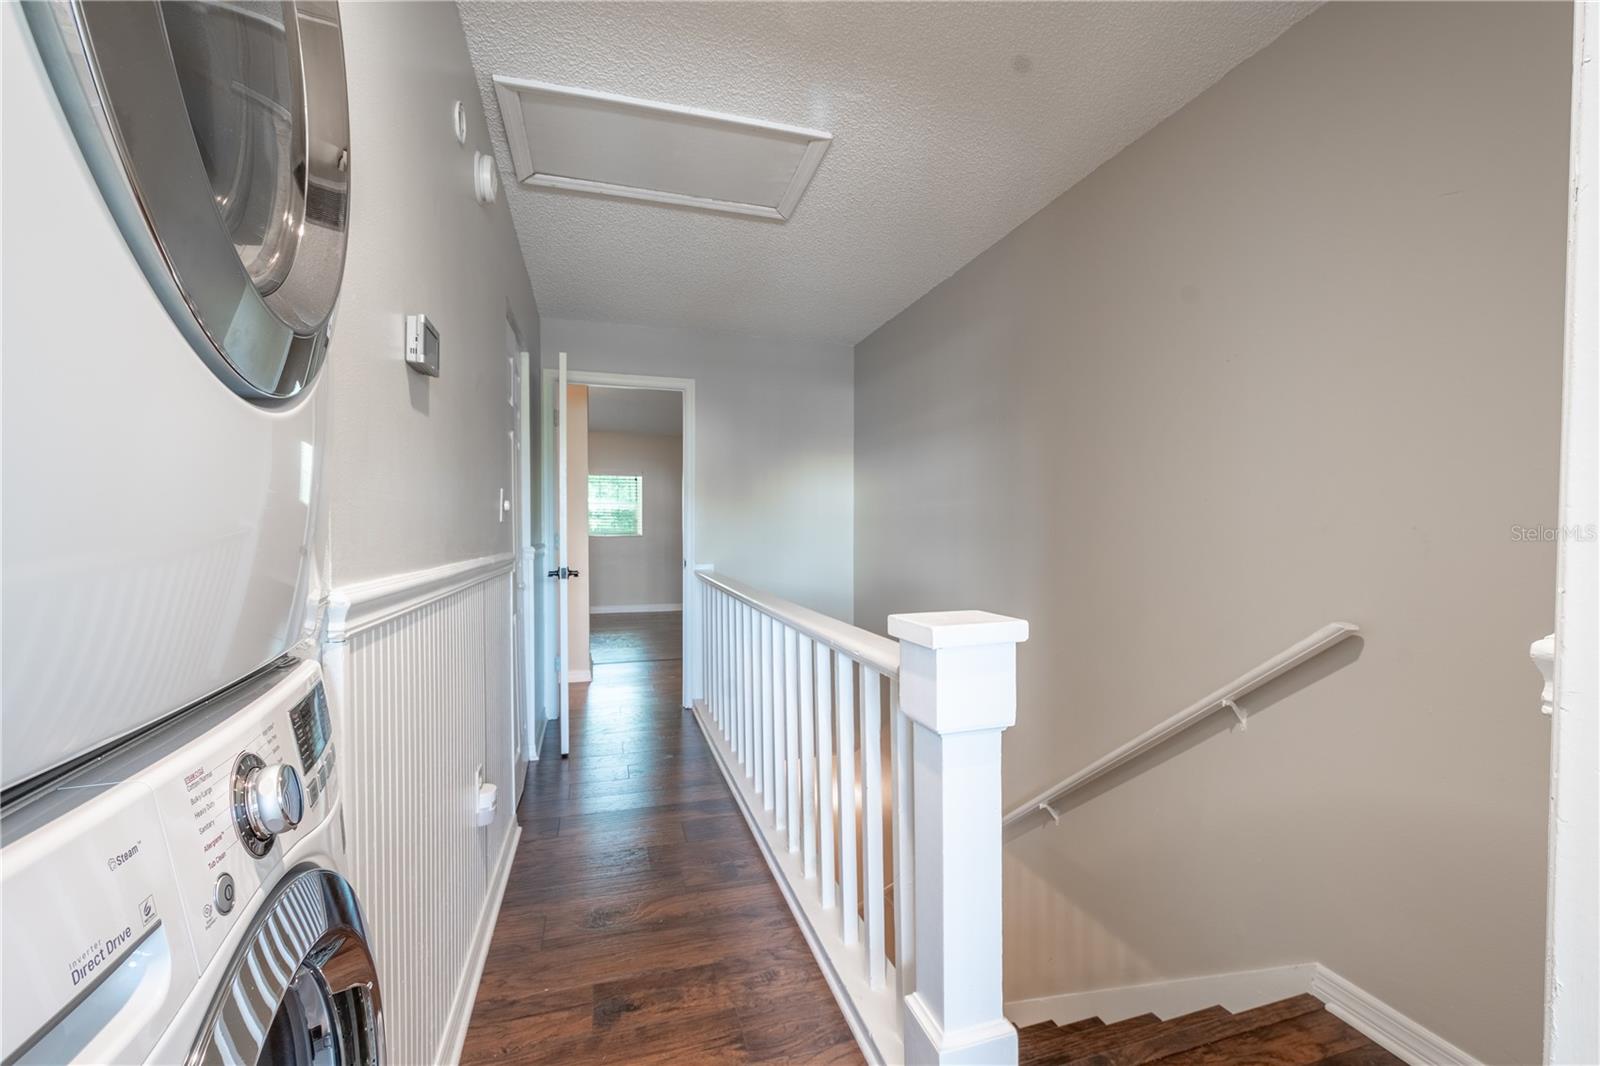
(302, 987)
(218, 133)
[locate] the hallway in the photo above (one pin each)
(640, 923)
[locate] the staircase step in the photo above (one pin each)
(1081, 1025)
(1067, 1043)
(1171, 1036)
(1031, 1040)
(1303, 1040)
(1192, 1031)
(1361, 1056)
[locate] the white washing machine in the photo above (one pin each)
(176, 184)
(182, 900)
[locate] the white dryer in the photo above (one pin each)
(176, 184)
(183, 900)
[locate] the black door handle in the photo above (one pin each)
(563, 573)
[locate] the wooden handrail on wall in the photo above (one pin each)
(1224, 698)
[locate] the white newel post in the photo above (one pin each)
(958, 686)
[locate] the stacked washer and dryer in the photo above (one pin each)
(176, 181)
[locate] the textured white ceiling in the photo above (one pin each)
(635, 411)
(952, 123)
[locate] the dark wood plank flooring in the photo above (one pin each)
(633, 638)
(1286, 1033)
(640, 923)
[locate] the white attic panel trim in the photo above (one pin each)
(594, 142)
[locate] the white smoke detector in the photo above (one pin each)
(485, 180)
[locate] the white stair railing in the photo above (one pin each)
(858, 839)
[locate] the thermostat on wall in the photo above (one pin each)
(422, 345)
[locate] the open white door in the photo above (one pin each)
(521, 664)
(562, 572)
(1572, 967)
(531, 668)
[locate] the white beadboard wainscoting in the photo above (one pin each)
(420, 684)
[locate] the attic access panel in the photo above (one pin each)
(586, 141)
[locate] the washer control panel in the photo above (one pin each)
(245, 797)
(123, 880)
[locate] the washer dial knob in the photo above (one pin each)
(276, 800)
(267, 800)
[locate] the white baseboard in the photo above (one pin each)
(1384, 1025)
(1241, 991)
(637, 608)
(455, 1034)
(1168, 999)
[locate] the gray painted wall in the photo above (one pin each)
(414, 468)
(648, 569)
(1292, 357)
(774, 470)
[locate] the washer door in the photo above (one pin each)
(219, 135)
(303, 988)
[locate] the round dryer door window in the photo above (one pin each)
(219, 134)
(302, 990)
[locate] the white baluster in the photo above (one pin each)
(805, 663)
(905, 879)
(735, 676)
(791, 733)
(775, 789)
(958, 686)
(764, 717)
(730, 670)
(844, 689)
(714, 679)
(780, 727)
(872, 819)
(826, 802)
(752, 675)
(706, 594)
(725, 668)
(743, 626)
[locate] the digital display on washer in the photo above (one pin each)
(310, 721)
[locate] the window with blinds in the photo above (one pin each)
(616, 505)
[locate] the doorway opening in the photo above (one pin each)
(624, 527)
(620, 489)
